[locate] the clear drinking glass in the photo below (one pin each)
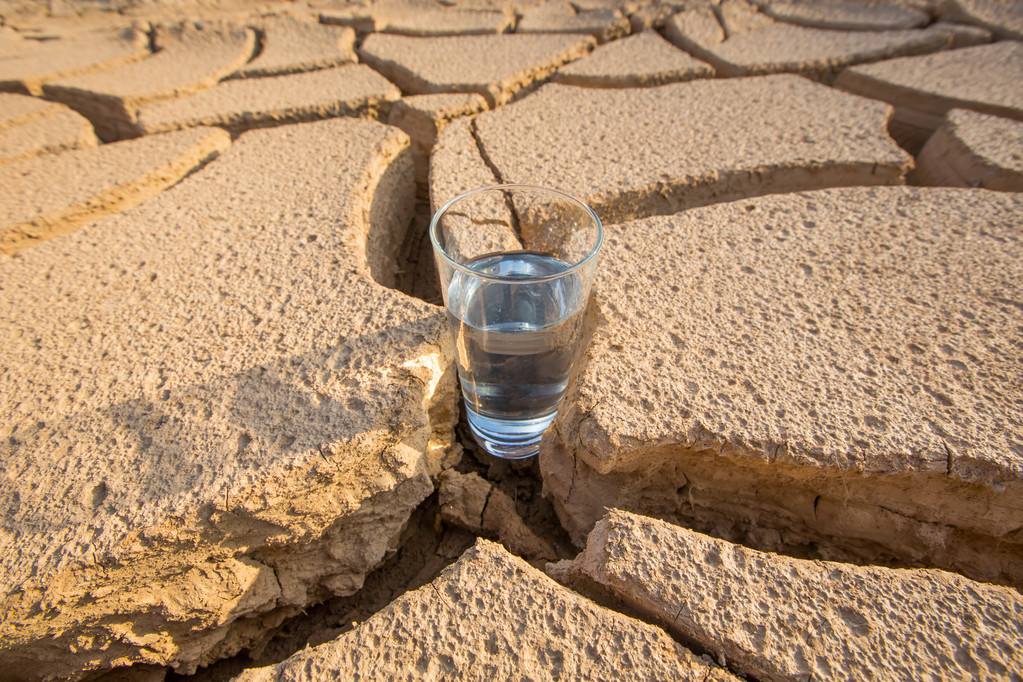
(516, 266)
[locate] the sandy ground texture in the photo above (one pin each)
(858, 390)
(232, 442)
(778, 618)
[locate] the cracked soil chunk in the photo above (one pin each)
(561, 17)
(475, 504)
(423, 117)
(847, 15)
(834, 368)
(214, 415)
(191, 58)
(494, 66)
(985, 78)
(420, 19)
(641, 60)
(492, 616)
(738, 138)
(258, 102)
(1004, 18)
(751, 43)
(455, 167)
(973, 150)
(30, 67)
(30, 127)
(777, 618)
(55, 194)
(290, 45)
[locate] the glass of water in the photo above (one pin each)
(516, 266)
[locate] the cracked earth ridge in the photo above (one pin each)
(302, 58)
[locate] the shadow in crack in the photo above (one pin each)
(417, 270)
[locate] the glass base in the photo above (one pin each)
(508, 438)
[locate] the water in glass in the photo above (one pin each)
(514, 344)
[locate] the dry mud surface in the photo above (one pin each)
(231, 445)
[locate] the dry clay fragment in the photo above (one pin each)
(655, 15)
(985, 78)
(973, 150)
(833, 369)
(492, 616)
(30, 127)
(214, 416)
(259, 102)
(475, 504)
(641, 60)
(30, 67)
(290, 45)
(738, 138)
(1004, 18)
(485, 226)
(424, 116)
(495, 66)
(447, 22)
(777, 618)
(55, 194)
(191, 58)
(420, 19)
(756, 44)
(561, 17)
(846, 15)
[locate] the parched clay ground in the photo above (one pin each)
(232, 445)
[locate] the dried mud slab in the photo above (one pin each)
(29, 68)
(30, 127)
(427, 19)
(973, 150)
(465, 622)
(55, 194)
(751, 43)
(738, 138)
(191, 58)
(652, 16)
(485, 226)
(424, 116)
(777, 618)
(1002, 17)
(477, 505)
(290, 45)
(641, 60)
(214, 416)
(495, 66)
(985, 78)
(845, 15)
(829, 372)
(562, 17)
(259, 102)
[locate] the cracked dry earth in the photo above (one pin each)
(232, 448)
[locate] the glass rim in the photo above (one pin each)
(590, 255)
